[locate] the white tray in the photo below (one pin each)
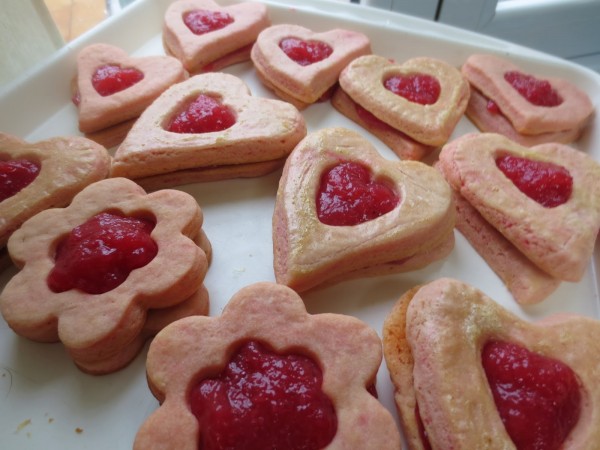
(46, 403)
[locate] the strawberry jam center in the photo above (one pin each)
(548, 184)
(263, 400)
(99, 255)
(348, 195)
(417, 88)
(204, 114)
(110, 79)
(537, 92)
(538, 398)
(305, 52)
(16, 175)
(201, 21)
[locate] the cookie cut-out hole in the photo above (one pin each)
(538, 398)
(417, 88)
(264, 400)
(16, 175)
(548, 184)
(348, 195)
(204, 114)
(98, 255)
(111, 78)
(303, 52)
(535, 91)
(201, 21)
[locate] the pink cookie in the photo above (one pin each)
(66, 165)
(247, 129)
(341, 350)
(310, 249)
(207, 37)
(439, 341)
(422, 97)
(103, 101)
(99, 310)
(552, 216)
(301, 65)
(531, 105)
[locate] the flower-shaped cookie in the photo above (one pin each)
(469, 374)
(422, 97)
(111, 88)
(300, 65)
(91, 271)
(330, 360)
(209, 122)
(545, 200)
(63, 166)
(393, 216)
(207, 37)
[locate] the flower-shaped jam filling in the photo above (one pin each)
(304, 52)
(111, 78)
(417, 88)
(548, 184)
(204, 114)
(99, 254)
(536, 92)
(348, 195)
(15, 175)
(538, 398)
(201, 21)
(264, 400)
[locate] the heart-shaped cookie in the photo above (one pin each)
(205, 36)
(430, 120)
(284, 57)
(449, 347)
(112, 87)
(558, 238)
(308, 252)
(66, 165)
(532, 105)
(262, 130)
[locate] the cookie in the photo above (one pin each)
(211, 121)
(90, 272)
(207, 37)
(328, 362)
(468, 373)
(302, 66)
(59, 167)
(396, 211)
(421, 97)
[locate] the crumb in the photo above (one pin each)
(78, 430)
(23, 425)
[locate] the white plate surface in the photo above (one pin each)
(46, 403)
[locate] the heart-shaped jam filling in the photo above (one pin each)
(263, 400)
(548, 184)
(99, 255)
(305, 52)
(538, 398)
(110, 79)
(204, 114)
(348, 195)
(537, 92)
(201, 21)
(16, 175)
(417, 88)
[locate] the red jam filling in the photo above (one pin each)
(417, 88)
(348, 195)
(492, 107)
(305, 52)
(263, 400)
(16, 175)
(98, 255)
(548, 184)
(538, 398)
(204, 114)
(201, 21)
(110, 79)
(536, 92)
